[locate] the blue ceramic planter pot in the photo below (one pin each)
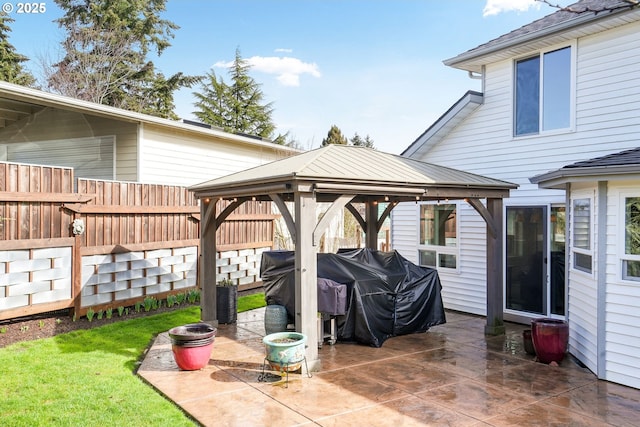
(285, 351)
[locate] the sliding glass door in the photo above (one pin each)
(534, 284)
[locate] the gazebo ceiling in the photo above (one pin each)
(339, 169)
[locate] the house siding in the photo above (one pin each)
(622, 333)
(404, 238)
(605, 122)
(126, 135)
(53, 125)
(582, 308)
(193, 159)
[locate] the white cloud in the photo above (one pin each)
(283, 50)
(494, 7)
(288, 70)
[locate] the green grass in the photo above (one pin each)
(250, 302)
(86, 377)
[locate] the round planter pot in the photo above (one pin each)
(275, 319)
(285, 351)
(191, 332)
(227, 304)
(192, 358)
(550, 339)
(192, 344)
(527, 340)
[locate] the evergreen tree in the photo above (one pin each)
(358, 141)
(11, 69)
(236, 107)
(106, 48)
(334, 136)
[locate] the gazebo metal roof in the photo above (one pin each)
(343, 175)
(335, 169)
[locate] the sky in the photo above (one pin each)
(371, 67)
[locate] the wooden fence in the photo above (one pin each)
(108, 244)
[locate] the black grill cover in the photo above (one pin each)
(386, 294)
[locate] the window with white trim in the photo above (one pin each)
(631, 257)
(581, 241)
(438, 244)
(543, 92)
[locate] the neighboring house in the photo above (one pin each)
(103, 142)
(560, 90)
(142, 224)
(604, 199)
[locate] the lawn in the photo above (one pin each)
(87, 377)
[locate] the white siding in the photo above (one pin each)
(183, 159)
(404, 238)
(466, 290)
(606, 122)
(582, 307)
(622, 359)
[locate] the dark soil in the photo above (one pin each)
(50, 324)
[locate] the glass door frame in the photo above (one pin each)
(523, 316)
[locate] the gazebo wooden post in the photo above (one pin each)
(208, 261)
(306, 274)
(371, 219)
(495, 322)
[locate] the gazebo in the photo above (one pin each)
(343, 176)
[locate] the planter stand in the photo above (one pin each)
(286, 368)
(285, 351)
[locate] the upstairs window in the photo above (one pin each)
(543, 92)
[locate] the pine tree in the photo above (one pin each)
(334, 136)
(358, 141)
(11, 69)
(106, 48)
(236, 107)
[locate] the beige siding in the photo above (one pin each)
(186, 159)
(48, 124)
(126, 145)
(53, 125)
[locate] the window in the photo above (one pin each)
(581, 236)
(631, 256)
(91, 157)
(438, 245)
(543, 92)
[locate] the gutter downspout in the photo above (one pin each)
(478, 76)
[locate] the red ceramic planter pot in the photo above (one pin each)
(550, 339)
(192, 345)
(192, 358)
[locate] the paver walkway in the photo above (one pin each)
(451, 375)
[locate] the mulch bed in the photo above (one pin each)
(51, 324)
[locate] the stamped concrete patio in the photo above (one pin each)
(450, 375)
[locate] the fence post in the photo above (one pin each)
(76, 269)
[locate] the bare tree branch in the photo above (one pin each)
(626, 4)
